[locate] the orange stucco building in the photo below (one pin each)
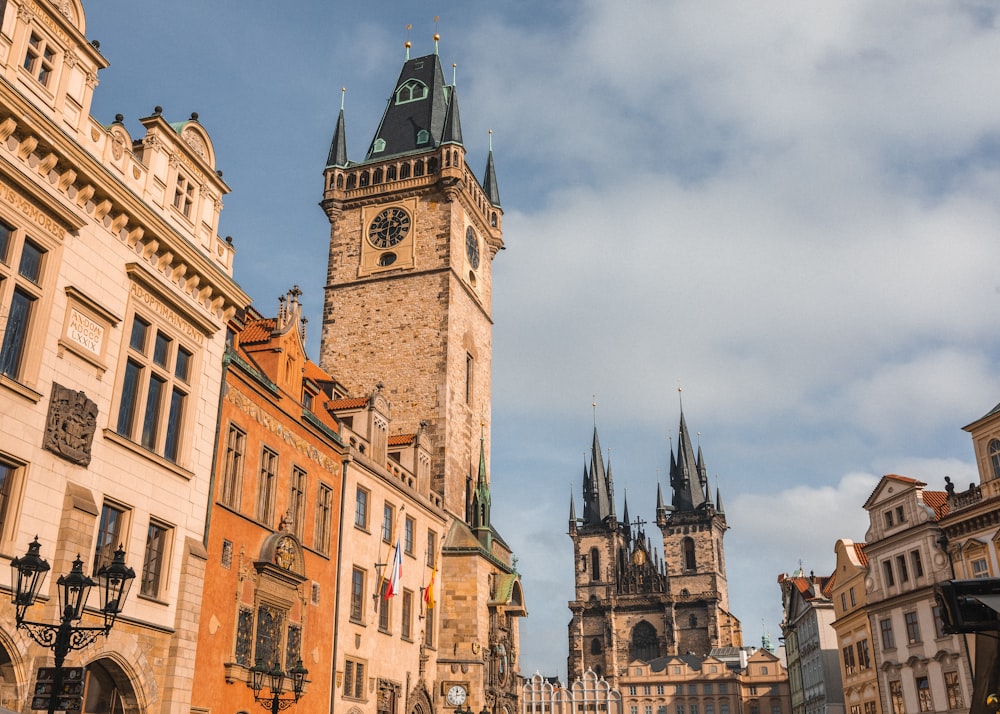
(272, 533)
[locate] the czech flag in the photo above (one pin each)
(392, 587)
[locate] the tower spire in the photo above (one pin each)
(338, 146)
(490, 185)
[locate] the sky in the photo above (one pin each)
(789, 210)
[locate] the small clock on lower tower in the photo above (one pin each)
(456, 695)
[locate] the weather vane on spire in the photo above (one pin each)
(408, 44)
(436, 35)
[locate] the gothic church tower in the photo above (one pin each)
(408, 303)
(629, 603)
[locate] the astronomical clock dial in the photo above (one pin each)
(456, 695)
(389, 228)
(472, 247)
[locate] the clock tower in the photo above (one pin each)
(408, 296)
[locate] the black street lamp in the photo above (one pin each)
(275, 680)
(27, 575)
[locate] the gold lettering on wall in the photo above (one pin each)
(30, 211)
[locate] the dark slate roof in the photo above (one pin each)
(402, 122)
(490, 182)
(338, 147)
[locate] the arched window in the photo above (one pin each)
(390, 173)
(377, 176)
(595, 564)
(454, 158)
(595, 646)
(340, 181)
(423, 137)
(364, 179)
(432, 166)
(352, 181)
(493, 219)
(404, 171)
(645, 644)
(418, 168)
(411, 91)
(995, 457)
(687, 546)
(378, 146)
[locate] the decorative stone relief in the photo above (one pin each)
(197, 144)
(70, 425)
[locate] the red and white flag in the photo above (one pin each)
(392, 586)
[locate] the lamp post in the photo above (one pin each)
(27, 575)
(275, 680)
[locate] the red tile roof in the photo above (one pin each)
(938, 500)
(349, 403)
(257, 332)
(859, 551)
(315, 373)
(402, 439)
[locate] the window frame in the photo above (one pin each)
(887, 636)
(159, 572)
(108, 538)
(267, 483)
(354, 678)
(388, 522)
(20, 348)
(356, 613)
(323, 521)
(409, 535)
(40, 60)
(12, 483)
(231, 488)
(297, 485)
(362, 497)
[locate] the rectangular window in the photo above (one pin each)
(361, 508)
(406, 622)
(775, 708)
(384, 608)
(39, 59)
(918, 566)
(155, 389)
(723, 707)
(853, 601)
(152, 565)
(680, 708)
(266, 486)
(429, 627)
(938, 623)
(849, 659)
(388, 513)
(887, 569)
(888, 519)
(864, 656)
(431, 548)
(244, 637)
(980, 569)
(19, 295)
(924, 694)
(297, 501)
(184, 195)
(912, 628)
(324, 519)
(888, 639)
(354, 679)
(357, 595)
(954, 690)
(709, 708)
(469, 364)
(870, 707)
(843, 601)
(904, 575)
(110, 534)
(855, 709)
(232, 477)
(707, 687)
(409, 526)
(647, 709)
(9, 474)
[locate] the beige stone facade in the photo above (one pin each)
(115, 290)
(853, 628)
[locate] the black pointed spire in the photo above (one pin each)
(685, 473)
(415, 113)
(451, 133)
(338, 146)
(481, 501)
(625, 521)
(597, 488)
(490, 178)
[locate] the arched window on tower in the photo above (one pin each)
(595, 564)
(418, 167)
(390, 173)
(377, 176)
(595, 646)
(645, 644)
(404, 171)
(687, 547)
(994, 449)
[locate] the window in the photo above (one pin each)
(409, 527)
(924, 694)
(708, 687)
(687, 545)
(297, 501)
(954, 690)
(388, 513)
(904, 575)
(266, 486)
(357, 595)
(354, 678)
(468, 378)
(384, 608)
(853, 601)
(20, 292)
(918, 566)
(232, 477)
(855, 709)
(980, 568)
(324, 518)
(361, 508)
(406, 621)
(9, 475)
(849, 664)
(411, 91)
(938, 623)
(870, 707)
(39, 59)
(888, 640)
(152, 565)
(595, 564)
(110, 534)
(843, 601)
(155, 389)
(775, 708)
(912, 628)
(994, 449)
(227, 554)
(723, 707)
(429, 627)
(184, 195)
(680, 709)
(431, 548)
(887, 569)
(864, 657)
(888, 519)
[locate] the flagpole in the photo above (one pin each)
(381, 565)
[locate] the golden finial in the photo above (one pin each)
(408, 44)
(436, 35)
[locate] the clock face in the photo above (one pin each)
(456, 695)
(389, 228)
(472, 247)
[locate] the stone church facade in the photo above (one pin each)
(633, 604)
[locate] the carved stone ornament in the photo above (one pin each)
(70, 425)
(197, 144)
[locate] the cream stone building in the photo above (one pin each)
(854, 636)
(115, 289)
(407, 332)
